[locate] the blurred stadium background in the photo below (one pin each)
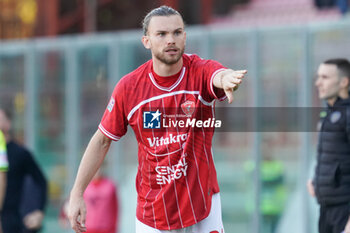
(60, 59)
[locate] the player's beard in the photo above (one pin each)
(169, 60)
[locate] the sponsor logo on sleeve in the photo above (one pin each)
(111, 104)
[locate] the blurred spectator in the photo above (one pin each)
(21, 163)
(3, 170)
(102, 206)
(325, 3)
(341, 4)
(273, 192)
(30, 211)
(273, 196)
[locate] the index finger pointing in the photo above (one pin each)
(241, 71)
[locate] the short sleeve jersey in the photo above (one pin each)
(176, 176)
(3, 153)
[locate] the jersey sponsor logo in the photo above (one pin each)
(151, 119)
(209, 123)
(156, 141)
(111, 104)
(166, 174)
(155, 120)
(188, 107)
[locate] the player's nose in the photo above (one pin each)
(170, 39)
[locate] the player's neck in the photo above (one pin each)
(165, 70)
(331, 101)
(343, 94)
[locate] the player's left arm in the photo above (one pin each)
(229, 81)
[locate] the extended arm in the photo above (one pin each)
(229, 80)
(90, 163)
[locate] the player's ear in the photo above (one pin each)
(146, 42)
(344, 82)
(185, 36)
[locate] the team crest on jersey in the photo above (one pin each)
(111, 104)
(188, 107)
(151, 119)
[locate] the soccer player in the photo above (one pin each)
(176, 180)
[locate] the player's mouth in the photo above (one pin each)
(172, 51)
(321, 92)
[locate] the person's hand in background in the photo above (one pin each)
(33, 220)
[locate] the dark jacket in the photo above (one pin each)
(21, 164)
(332, 174)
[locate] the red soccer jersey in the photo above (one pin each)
(176, 175)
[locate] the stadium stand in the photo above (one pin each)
(276, 12)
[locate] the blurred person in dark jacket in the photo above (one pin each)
(21, 164)
(331, 183)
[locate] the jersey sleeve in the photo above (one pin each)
(114, 121)
(3, 153)
(210, 69)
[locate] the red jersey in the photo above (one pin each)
(176, 175)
